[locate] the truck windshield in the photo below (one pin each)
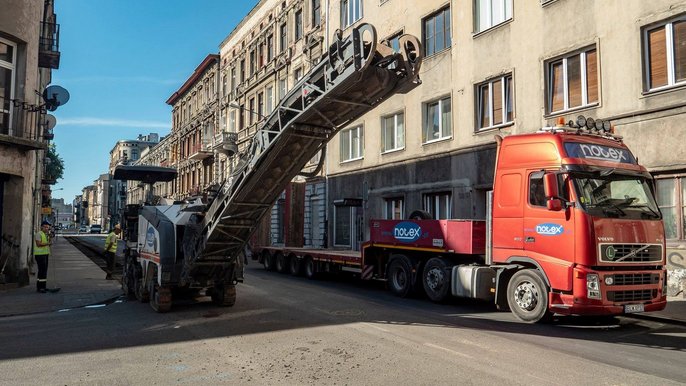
(608, 194)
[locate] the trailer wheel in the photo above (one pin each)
(436, 279)
(281, 263)
(224, 295)
(310, 271)
(128, 280)
(400, 276)
(267, 261)
(527, 296)
(294, 266)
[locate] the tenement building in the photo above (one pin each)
(29, 51)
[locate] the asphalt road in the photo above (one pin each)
(286, 330)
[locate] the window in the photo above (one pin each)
(224, 90)
(393, 132)
(260, 55)
(298, 74)
(351, 143)
(232, 121)
(298, 24)
(394, 41)
(316, 12)
(438, 204)
(283, 88)
(393, 209)
(536, 191)
(489, 13)
(241, 118)
(242, 68)
(283, 41)
(233, 78)
(7, 69)
(665, 54)
(270, 99)
(251, 110)
(351, 11)
(252, 62)
(222, 121)
(572, 81)
(270, 48)
(494, 103)
(436, 29)
(671, 198)
(437, 120)
(260, 104)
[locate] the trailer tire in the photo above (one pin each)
(140, 287)
(527, 296)
(294, 266)
(420, 215)
(309, 268)
(281, 263)
(267, 261)
(399, 276)
(224, 295)
(436, 279)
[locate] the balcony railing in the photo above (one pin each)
(49, 46)
(200, 151)
(20, 124)
(226, 143)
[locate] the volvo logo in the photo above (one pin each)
(610, 252)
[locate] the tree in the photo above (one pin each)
(54, 165)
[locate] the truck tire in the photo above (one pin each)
(309, 268)
(267, 261)
(420, 215)
(294, 266)
(281, 263)
(128, 280)
(436, 279)
(140, 287)
(527, 296)
(224, 295)
(399, 276)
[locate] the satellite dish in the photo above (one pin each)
(55, 96)
(50, 121)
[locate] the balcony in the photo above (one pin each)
(200, 152)
(225, 143)
(49, 46)
(19, 124)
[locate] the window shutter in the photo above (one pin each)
(556, 87)
(574, 81)
(592, 76)
(658, 57)
(679, 51)
(497, 102)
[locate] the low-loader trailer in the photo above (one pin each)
(572, 228)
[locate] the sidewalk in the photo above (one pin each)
(81, 281)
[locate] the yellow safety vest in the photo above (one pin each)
(41, 250)
(112, 240)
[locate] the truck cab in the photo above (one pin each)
(574, 217)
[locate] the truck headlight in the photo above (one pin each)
(593, 286)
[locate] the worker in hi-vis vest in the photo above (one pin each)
(41, 251)
(111, 250)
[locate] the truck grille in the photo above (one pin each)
(636, 278)
(630, 253)
(630, 296)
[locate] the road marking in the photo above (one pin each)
(448, 350)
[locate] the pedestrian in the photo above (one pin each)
(111, 250)
(41, 251)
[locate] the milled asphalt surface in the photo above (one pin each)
(82, 283)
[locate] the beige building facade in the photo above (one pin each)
(29, 51)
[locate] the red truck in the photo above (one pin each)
(572, 228)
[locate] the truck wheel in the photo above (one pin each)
(281, 264)
(128, 281)
(268, 261)
(224, 295)
(161, 299)
(294, 266)
(527, 296)
(400, 276)
(140, 288)
(310, 271)
(436, 279)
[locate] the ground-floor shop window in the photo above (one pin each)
(671, 198)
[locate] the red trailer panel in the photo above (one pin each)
(452, 236)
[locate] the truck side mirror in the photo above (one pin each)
(550, 186)
(554, 204)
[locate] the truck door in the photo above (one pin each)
(548, 235)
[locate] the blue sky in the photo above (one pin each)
(121, 60)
